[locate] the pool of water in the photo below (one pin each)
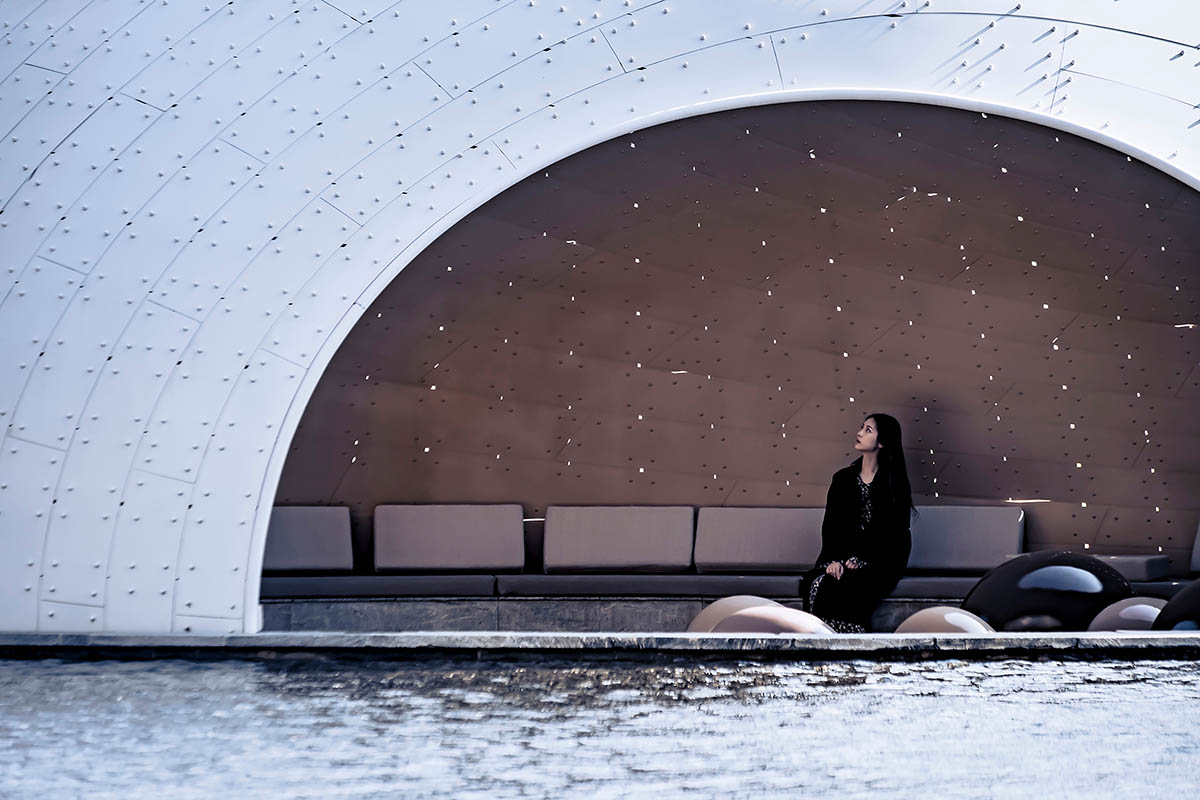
(330, 727)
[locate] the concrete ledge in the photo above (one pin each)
(838, 646)
(519, 614)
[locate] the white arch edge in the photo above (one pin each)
(252, 619)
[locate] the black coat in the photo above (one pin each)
(884, 545)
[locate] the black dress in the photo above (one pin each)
(862, 527)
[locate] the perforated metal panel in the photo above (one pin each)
(28, 473)
(91, 490)
(29, 23)
(141, 577)
(322, 301)
(206, 48)
(27, 316)
(511, 35)
(215, 547)
(61, 178)
(639, 98)
(96, 63)
(107, 299)
(70, 618)
(185, 417)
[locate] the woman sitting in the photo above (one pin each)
(865, 537)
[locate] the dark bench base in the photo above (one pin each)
(571, 603)
(1166, 589)
(339, 586)
(595, 585)
(526, 614)
(706, 586)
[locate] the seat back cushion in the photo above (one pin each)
(449, 537)
(308, 538)
(611, 538)
(965, 538)
(758, 539)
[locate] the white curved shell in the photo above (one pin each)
(200, 201)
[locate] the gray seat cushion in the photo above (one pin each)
(638, 585)
(934, 588)
(1138, 568)
(758, 539)
(378, 586)
(618, 538)
(449, 537)
(965, 538)
(308, 538)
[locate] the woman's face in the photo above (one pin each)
(867, 438)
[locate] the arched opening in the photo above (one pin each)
(701, 312)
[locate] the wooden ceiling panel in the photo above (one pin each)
(778, 494)
(406, 419)
(1066, 525)
(1045, 285)
(702, 450)
(1061, 480)
(587, 327)
(753, 361)
(558, 217)
(453, 477)
(1190, 390)
(1134, 526)
(492, 250)
(696, 397)
(1106, 335)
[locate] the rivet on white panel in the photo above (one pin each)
(27, 316)
(61, 178)
(90, 493)
(70, 618)
(320, 304)
(28, 474)
(215, 547)
(144, 552)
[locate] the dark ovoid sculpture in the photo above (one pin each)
(1182, 613)
(1046, 591)
(1131, 614)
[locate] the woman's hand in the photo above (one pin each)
(853, 563)
(835, 569)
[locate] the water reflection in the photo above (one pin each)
(522, 727)
(551, 685)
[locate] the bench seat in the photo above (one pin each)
(449, 538)
(931, 587)
(653, 539)
(1138, 568)
(911, 587)
(1165, 589)
(948, 588)
(308, 538)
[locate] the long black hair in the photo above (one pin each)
(892, 468)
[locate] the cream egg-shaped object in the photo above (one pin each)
(715, 612)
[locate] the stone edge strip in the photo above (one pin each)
(917, 645)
